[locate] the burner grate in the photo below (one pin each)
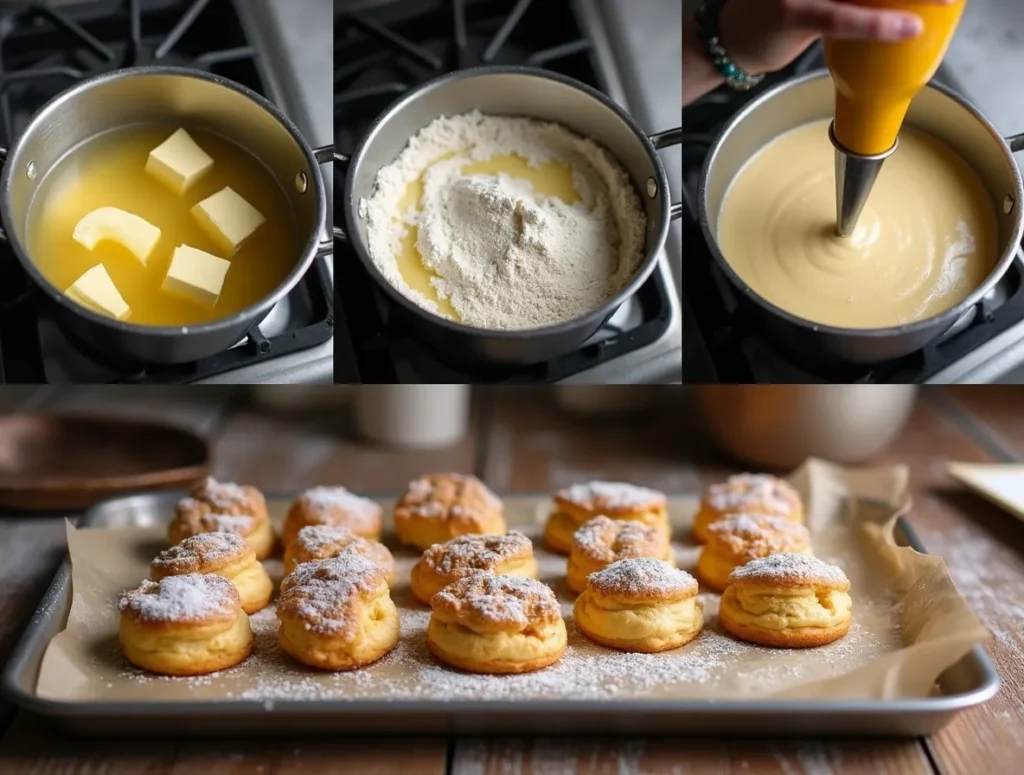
(45, 49)
(736, 352)
(382, 51)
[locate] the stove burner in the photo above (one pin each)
(381, 51)
(730, 348)
(43, 50)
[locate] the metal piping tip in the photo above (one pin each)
(855, 176)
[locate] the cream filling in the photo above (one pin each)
(187, 646)
(780, 609)
(639, 622)
(471, 646)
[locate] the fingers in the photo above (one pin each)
(843, 20)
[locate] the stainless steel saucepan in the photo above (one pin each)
(179, 97)
(938, 111)
(513, 91)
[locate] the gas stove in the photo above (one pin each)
(721, 345)
(382, 49)
(45, 47)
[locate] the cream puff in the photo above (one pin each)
(224, 507)
(640, 604)
(223, 554)
(582, 502)
(739, 538)
(601, 541)
(442, 564)
(337, 614)
(747, 494)
(496, 624)
(184, 625)
(322, 542)
(332, 506)
(787, 601)
(441, 506)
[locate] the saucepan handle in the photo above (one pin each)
(667, 139)
(324, 155)
(1016, 142)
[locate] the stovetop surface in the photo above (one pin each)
(382, 50)
(721, 345)
(43, 50)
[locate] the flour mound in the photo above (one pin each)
(503, 255)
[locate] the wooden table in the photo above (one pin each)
(519, 442)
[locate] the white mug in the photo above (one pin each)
(413, 416)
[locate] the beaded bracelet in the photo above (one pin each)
(707, 30)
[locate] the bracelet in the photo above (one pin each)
(707, 30)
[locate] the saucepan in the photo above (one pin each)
(512, 91)
(938, 111)
(181, 97)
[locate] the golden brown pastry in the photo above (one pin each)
(337, 614)
(322, 542)
(739, 538)
(747, 494)
(601, 541)
(442, 564)
(441, 506)
(787, 601)
(582, 502)
(184, 625)
(332, 506)
(496, 624)
(640, 604)
(224, 554)
(225, 507)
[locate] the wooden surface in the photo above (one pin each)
(520, 442)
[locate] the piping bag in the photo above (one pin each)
(875, 83)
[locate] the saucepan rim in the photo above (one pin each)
(651, 251)
(254, 311)
(953, 314)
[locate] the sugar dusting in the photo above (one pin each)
(612, 495)
(640, 577)
(191, 597)
(323, 500)
(749, 491)
(803, 568)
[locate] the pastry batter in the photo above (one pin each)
(926, 239)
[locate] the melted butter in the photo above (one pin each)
(925, 241)
(548, 179)
(110, 171)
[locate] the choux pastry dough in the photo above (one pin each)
(214, 506)
(739, 538)
(441, 506)
(747, 494)
(337, 614)
(332, 506)
(496, 624)
(184, 625)
(322, 542)
(224, 554)
(640, 604)
(787, 601)
(442, 564)
(618, 500)
(601, 541)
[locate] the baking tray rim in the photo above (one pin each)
(28, 651)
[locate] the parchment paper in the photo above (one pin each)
(909, 624)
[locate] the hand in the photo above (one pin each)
(766, 35)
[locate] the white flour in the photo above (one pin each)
(504, 256)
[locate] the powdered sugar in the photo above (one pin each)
(230, 523)
(798, 568)
(642, 577)
(611, 495)
(477, 551)
(750, 491)
(323, 593)
(504, 254)
(327, 499)
(606, 540)
(203, 549)
(192, 597)
(223, 495)
(316, 538)
(507, 600)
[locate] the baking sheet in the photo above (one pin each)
(909, 625)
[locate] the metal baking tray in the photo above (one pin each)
(970, 682)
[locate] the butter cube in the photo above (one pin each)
(196, 275)
(178, 162)
(228, 219)
(111, 223)
(97, 291)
